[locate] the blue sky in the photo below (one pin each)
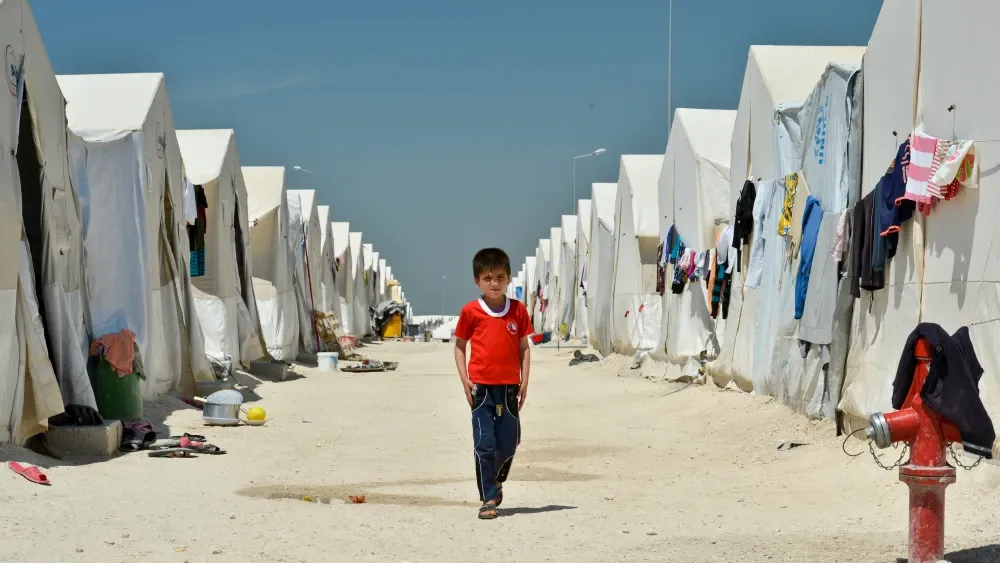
(440, 127)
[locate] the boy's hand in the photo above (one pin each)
(522, 395)
(468, 386)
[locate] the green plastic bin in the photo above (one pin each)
(117, 397)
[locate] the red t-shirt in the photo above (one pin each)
(495, 358)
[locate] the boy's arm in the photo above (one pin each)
(525, 372)
(463, 371)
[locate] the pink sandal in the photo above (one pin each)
(30, 473)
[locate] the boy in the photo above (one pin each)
(496, 380)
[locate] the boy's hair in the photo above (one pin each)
(489, 259)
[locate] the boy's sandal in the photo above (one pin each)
(488, 511)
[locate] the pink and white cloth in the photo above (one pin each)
(938, 170)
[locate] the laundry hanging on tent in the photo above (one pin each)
(865, 246)
(938, 169)
(197, 231)
(190, 205)
(744, 220)
(811, 220)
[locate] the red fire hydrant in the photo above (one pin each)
(927, 473)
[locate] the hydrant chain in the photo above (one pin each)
(954, 456)
(899, 461)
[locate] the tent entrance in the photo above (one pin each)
(32, 206)
(240, 258)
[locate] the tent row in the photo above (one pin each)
(791, 246)
(114, 220)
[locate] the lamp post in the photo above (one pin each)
(670, 66)
(598, 152)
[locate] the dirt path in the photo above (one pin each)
(610, 469)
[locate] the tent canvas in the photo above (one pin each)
(636, 305)
(358, 295)
(543, 300)
(345, 276)
(600, 267)
(775, 76)
(223, 297)
(128, 173)
(329, 300)
(382, 280)
(273, 281)
(566, 276)
(530, 275)
(41, 281)
(694, 199)
(582, 255)
(304, 237)
(946, 264)
(551, 317)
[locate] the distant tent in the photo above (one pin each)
(601, 267)
(345, 274)
(273, 280)
(359, 289)
(223, 290)
(305, 236)
(329, 301)
(552, 283)
(567, 276)
(128, 172)
(543, 300)
(580, 320)
(694, 199)
(635, 309)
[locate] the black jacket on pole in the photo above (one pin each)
(952, 385)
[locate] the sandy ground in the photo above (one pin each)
(611, 468)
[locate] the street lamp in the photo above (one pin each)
(300, 169)
(598, 152)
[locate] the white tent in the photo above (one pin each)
(223, 297)
(529, 284)
(552, 270)
(600, 267)
(128, 172)
(382, 281)
(775, 76)
(345, 273)
(635, 309)
(582, 255)
(41, 277)
(566, 276)
(694, 198)
(329, 300)
(543, 300)
(946, 264)
(305, 236)
(358, 294)
(273, 281)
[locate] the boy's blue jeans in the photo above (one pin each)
(496, 431)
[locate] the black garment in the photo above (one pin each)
(721, 292)
(952, 385)
(661, 271)
(743, 222)
(77, 415)
(196, 232)
(863, 240)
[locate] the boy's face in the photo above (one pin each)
(493, 283)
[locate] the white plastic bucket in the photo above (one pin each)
(327, 361)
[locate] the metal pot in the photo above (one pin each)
(217, 411)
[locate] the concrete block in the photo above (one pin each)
(86, 441)
(269, 370)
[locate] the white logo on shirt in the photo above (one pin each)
(512, 327)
